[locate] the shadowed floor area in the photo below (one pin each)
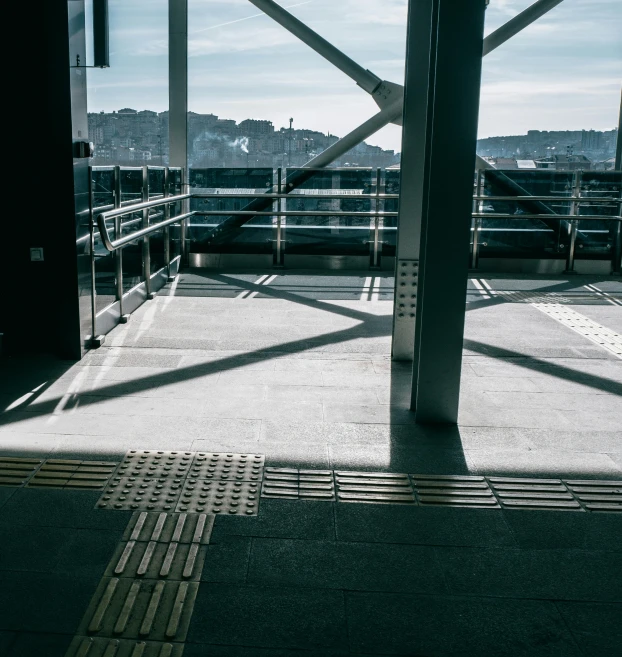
(297, 366)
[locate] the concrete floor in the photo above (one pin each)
(297, 367)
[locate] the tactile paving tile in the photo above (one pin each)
(66, 473)
(221, 497)
(141, 493)
(15, 471)
(375, 487)
(289, 483)
(155, 610)
(453, 490)
(153, 560)
(597, 495)
(227, 466)
(523, 493)
(91, 646)
(143, 463)
(169, 527)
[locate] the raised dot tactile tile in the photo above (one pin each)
(168, 527)
(89, 646)
(450, 490)
(227, 466)
(150, 493)
(374, 487)
(147, 609)
(155, 463)
(219, 497)
(290, 483)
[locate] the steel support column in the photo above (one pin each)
(178, 82)
(451, 86)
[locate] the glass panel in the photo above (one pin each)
(102, 182)
(601, 235)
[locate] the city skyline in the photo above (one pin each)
(242, 64)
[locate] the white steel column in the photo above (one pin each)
(178, 83)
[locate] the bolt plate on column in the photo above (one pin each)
(142, 493)
(226, 466)
(406, 281)
(376, 487)
(153, 560)
(289, 483)
(155, 463)
(221, 497)
(91, 646)
(168, 527)
(147, 609)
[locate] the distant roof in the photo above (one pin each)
(525, 164)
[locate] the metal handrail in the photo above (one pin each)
(113, 245)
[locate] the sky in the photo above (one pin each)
(561, 73)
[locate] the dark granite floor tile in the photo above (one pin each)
(43, 602)
(35, 549)
(548, 529)
(604, 532)
(592, 617)
(351, 566)
(269, 617)
(595, 645)
(205, 650)
(226, 559)
(6, 639)
(88, 552)
(421, 526)
(28, 644)
(60, 508)
(282, 519)
(5, 493)
(550, 574)
(423, 626)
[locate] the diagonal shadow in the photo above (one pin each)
(545, 367)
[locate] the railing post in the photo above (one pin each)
(278, 239)
(167, 233)
(118, 254)
(183, 224)
(95, 340)
(573, 225)
(476, 222)
(375, 256)
(146, 246)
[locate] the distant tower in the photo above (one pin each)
(289, 144)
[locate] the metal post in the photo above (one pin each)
(437, 30)
(167, 232)
(476, 222)
(146, 246)
(183, 223)
(616, 268)
(95, 340)
(118, 254)
(573, 225)
(375, 255)
(278, 257)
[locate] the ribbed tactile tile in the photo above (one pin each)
(169, 527)
(597, 495)
(90, 646)
(374, 487)
(155, 560)
(151, 463)
(292, 484)
(227, 466)
(220, 497)
(523, 493)
(65, 473)
(141, 493)
(147, 609)
(453, 490)
(16, 471)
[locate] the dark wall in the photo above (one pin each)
(45, 304)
